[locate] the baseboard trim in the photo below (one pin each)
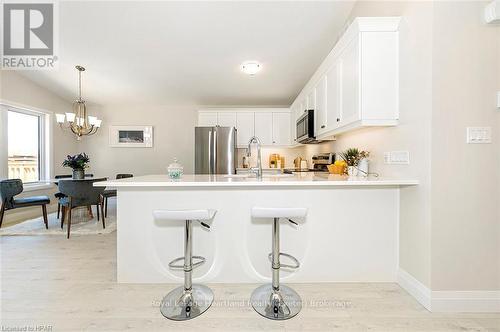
(466, 301)
(449, 301)
(415, 288)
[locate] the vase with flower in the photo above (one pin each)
(78, 163)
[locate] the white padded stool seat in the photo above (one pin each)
(206, 214)
(265, 212)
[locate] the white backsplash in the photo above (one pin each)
(289, 153)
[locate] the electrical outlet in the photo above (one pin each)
(478, 135)
(397, 158)
(387, 157)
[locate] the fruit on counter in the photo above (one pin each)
(339, 167)
(340, 163)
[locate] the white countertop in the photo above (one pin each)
(307, 179)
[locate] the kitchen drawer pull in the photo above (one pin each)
(338, 119)
(323, 126)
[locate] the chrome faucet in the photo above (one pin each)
(257, 170)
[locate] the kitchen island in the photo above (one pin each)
(350, 232)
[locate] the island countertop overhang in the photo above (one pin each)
(213, 181)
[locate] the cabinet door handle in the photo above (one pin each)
(338, 119)
(323, 126)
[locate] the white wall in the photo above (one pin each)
(465, 177)
(173, 129)
(413, 133)
(450, 224)
(17, 89)
(289, 154)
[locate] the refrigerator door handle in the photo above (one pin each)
(214, 156)
(210, 145)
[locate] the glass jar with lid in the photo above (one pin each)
(175, 170)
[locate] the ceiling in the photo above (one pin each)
(188, 53)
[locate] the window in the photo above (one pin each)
(26, 141)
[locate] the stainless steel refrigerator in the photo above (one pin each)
(215, 150)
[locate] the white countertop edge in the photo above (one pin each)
(266, 183)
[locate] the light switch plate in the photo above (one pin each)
(397, 157)
(478, 135)
(498, 100)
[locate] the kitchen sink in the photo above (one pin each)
(236, 176)
(277, 175)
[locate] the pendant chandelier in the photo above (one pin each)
(78, 121)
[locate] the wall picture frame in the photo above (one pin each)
(131, 136)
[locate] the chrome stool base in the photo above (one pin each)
(184, 305)
(276, 305)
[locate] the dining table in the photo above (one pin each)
(81, 213)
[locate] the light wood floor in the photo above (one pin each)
(71, 285)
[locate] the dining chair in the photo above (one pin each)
(12, 187)
(112, 192)
(80, 193)
(59, 194)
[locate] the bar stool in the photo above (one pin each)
(188, 301)
(275, 301)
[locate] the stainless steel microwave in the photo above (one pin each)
(305, 128)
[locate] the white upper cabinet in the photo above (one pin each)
(207, 119)
(281, 128)
(245, 127)
(380, 75)
(302, 106)
(311, 99)
(271, 125)
(321, 106)
(349, 81)
(357, 85)
(226, 119)
(264, 127)
(333, 98)
(293, 126)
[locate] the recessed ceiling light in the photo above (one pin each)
(251, 67)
